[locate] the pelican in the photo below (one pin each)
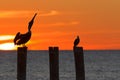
(21, 39)
(76, 42)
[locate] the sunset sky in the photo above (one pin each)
(58, 22)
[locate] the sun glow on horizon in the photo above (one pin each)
(7, 46)
(4, 44)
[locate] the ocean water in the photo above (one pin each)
(99, 65)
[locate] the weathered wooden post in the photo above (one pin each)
(21, 63)
(79, 63)
(54, 63)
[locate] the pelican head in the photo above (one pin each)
(77, 37)
(31, 22)
(76, 41)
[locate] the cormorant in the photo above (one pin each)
(76, 42)
(24, 38)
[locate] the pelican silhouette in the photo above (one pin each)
(76, 42)
(21, 39)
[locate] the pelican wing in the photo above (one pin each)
(23, 38)
(17, 37)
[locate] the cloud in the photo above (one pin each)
(6, 37)
(51, 13)
(62, 23)
(9, 14)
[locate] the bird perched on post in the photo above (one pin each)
(76, 41)
(21, 39)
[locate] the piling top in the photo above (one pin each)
(22, 49)
(53, 49)
(78, 49)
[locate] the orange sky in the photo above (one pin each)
(59, 22)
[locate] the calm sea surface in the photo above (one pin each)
(99, 65)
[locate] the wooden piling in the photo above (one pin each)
(54, 63)
(21, 63)
(79, 63)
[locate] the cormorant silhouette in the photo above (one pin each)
(76, 42)
(24, 38)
